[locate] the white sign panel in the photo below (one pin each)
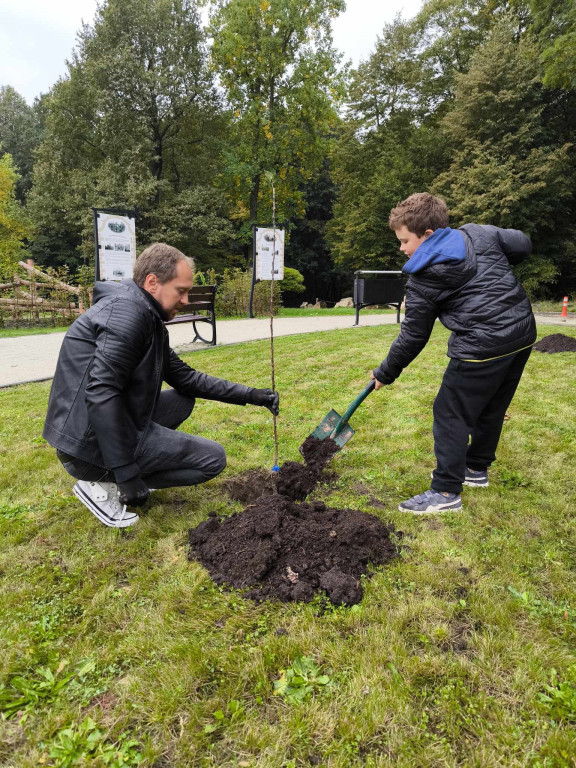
(269, 242)
(116, 245)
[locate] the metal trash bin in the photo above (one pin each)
(388, 288)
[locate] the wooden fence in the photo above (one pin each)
(35, 297)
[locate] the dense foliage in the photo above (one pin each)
(14, 224)
(474, 100)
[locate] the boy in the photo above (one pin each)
(462, 277)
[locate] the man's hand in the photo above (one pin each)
(378, 384)
(134, 492)
(267, 398)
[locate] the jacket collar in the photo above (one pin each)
(156, 306)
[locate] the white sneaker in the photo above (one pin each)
(102, 500)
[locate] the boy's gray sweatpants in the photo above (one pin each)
(166, 458)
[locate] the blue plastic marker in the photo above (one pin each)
(275, 468)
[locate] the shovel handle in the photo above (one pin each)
(350, 410)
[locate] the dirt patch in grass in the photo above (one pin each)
(361, 490)
(277, 548)
(556, 342)
(280, 549)
(250, 485)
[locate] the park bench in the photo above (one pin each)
(200, 309)
(388, 288)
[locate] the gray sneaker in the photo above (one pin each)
(476, 478)
(432, 501)
(102, 500)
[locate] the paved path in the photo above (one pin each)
(33, 358)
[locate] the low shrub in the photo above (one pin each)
(233, 294)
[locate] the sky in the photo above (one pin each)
(36, 36)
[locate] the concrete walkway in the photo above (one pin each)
(33, 358)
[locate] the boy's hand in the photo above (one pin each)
(378, 384)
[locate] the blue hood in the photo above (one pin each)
(443, 245)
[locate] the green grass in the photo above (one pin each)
(284, 312)
(118, 651)
(554, 306)
(8, 333)
(308, 312)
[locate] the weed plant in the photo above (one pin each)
(119, 651)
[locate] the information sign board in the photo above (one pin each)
(269, 242)
(115, 233)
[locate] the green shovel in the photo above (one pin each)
(335, 426)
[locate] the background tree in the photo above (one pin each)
(20, 134)
(277, 65)
(390, 146)
(463, 101)
(14, 224)
(449, 32)
(387, 83)
(509, 168)
(373, 173)
(137, 122)
(554, 21)
(308, 249)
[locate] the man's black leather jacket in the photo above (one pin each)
(112, 363)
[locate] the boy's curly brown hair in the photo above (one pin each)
(420, 212)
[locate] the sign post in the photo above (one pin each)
(268, 250)
(114, 243)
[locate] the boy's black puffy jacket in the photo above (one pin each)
(479, 299)
(109, 375)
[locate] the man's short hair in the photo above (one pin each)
(161, 260)
(420, 212)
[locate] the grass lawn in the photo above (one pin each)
(8, 333)
(117, 651)
(284, 312)
(554, 306)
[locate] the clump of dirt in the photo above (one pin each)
(294, 480)
(556, 342)
(277, 548)
(317, 453)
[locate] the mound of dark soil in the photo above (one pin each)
(556, 342)
(294, 480)
(279, 549)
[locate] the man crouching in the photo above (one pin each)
(113, 427)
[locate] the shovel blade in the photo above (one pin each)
(328, 425)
